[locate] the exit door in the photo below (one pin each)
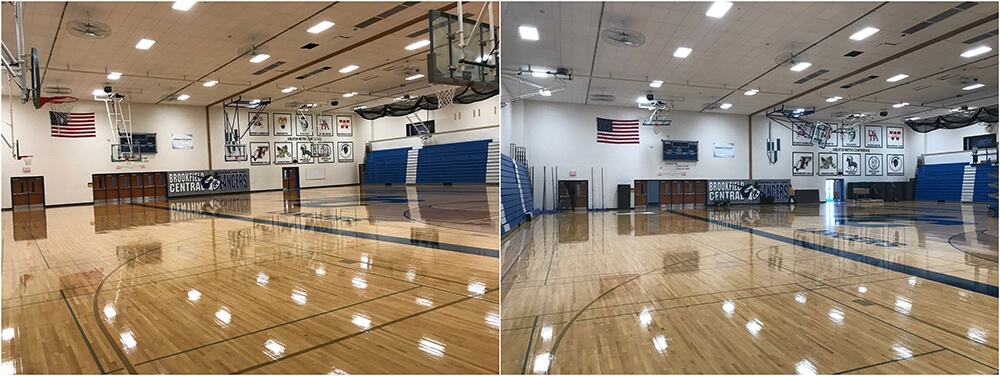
(289, 178)
(28, 191)
(834, 190)
(574, 192)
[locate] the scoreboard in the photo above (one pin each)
(675, 150)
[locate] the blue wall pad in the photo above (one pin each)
(517, 204)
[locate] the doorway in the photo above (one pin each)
(573, 193)
(289, 178)
(27, 191)
(834, 190)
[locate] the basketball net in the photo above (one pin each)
(446, 95)
(63, 104)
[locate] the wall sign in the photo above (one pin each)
(260, 153)
(203, 182)
(344, 125)
(894, 137)
(828, 163)
(283, 153)
(802, 164)
(282, 124)
(749, 191)
(303, 125)
(723, 149)
(324, 125)
(894, 165)
(851, 137)
(873, 164)
(182, 141)
(345, 151)
(258, 126)
(873, 136)
(851, 163)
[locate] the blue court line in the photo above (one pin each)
(362, 235)
(961, 283)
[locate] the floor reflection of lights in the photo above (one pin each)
(274, 349)
(432, 347)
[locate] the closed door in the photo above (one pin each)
(19, 191)
(574, 192)
(148, 185)
(689, 192)
(699, 191)
(27, 191)
(664, 191)
(640, 192)
(161, 184)
(676, 186)
(652, 193)
(111, 190)
(99, 186)
(290, 178)
(124, 188)
(135, 180)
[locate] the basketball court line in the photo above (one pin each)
(961, 283)
(35, 241)
(355, 334)
(85, 339)
(495, 253)
(888, 361)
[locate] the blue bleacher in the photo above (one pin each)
(517, 203)
(462, 162)
(945, 182)
(386, 166)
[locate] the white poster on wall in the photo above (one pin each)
(182, 141)
(723, 149)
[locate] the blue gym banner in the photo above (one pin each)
(206, 182)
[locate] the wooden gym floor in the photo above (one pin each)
(329, 280)
(899, 288)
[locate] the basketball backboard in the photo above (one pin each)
(464, 61)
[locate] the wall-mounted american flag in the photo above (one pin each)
(617, 131)
(73, 124)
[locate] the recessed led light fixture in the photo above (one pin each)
(183, 97)
(414, 77)
(417, 45)
(641, 99)
(545, 93)
(255, 101)
(726, 106)
(656, 83)
(259, 58)
(864, 33)
(682, 52)
(976, 51)
(184, 4)
(288, 89)
(99, 92)
(914, 118)
(540, 74)
(145, 44)
(320, 27)
(349, 68)
(973, 87)
(528, 32)
(751, 92)
(114, 75)
(351, 94)
(209, 83)
(833, 99)
(897, 77)
(360, 108)
(719, 9)
(898, 105)
(801, 66)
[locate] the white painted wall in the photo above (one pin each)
(455, 123)
(68, 163)
(950, 140)
(564, 137)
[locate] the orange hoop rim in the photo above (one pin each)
(61, 99)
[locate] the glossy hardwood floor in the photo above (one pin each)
(899, 288)
(329, 280)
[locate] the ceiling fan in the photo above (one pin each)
(88, 29)
(623, 37)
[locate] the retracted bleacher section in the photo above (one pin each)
(956, 182)
(462, 162)
(515, 194)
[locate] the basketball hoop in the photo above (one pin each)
(59, 103)
(26, 159)
(445, 96)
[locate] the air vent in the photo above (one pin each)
(859, 82)
(267, 68)
(940, 17)
(384, 15)
(312, 73)
(981, 37)
(917, 27)
(943, 15)
(853, 53)
(369, 78)
(966, 5)
(309, 46)
(812, 76)
(393, 67)
(419, 33)
(921, 87)
(602, 97)
(947, 77)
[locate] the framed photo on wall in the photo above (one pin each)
(873, 136)
(344, 127)
(303, 125)
(894, 137)
(828, 163)
(894, 165)
(851, 137)
(283, 153)
(282, 126)
(260, 153)
(325, 152)
(304, 152)
(258, 126)
(802, 164)
(851, 163)
(801, 140)
(345, 151)
(324, 125)
(873, 164)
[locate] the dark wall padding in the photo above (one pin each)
(463, 162)
(805, 196)
(956, 182)
(883, 190)
(515, 194)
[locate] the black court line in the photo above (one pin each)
(34, 240)
(85, 340)
(527, 351)
(962, 283)
(352, 335)
(889, 361)
(276, 326)
(356, 234)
